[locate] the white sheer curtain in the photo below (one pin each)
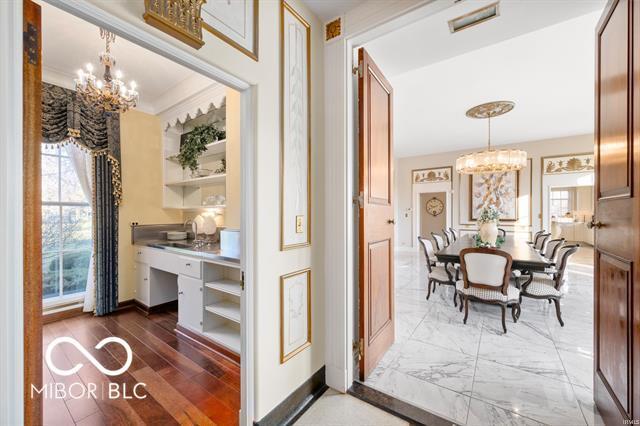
(82, 164)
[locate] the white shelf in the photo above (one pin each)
(207, 180)
(226, 286)
(225, 309)
(214, 148)
(221, 206)
(225, 336)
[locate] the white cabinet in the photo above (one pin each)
(190, 303)
(142, 283)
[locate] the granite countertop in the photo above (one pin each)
(209, 252)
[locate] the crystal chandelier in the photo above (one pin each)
(109, 94)
(491, 160)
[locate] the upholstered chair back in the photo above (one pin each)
(541, 241)
(486, 268)
(438, 240)
(551, 251)
(429, 253)
(564, 254)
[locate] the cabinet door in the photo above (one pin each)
(142, 283)
(190, 303)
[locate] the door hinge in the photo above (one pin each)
(358, 70)
(359, 200)
(30, 43)
(358, 348)
(242, 280)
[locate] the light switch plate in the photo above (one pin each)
(299, 224)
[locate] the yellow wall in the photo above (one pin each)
(141, 164)
(232, 212)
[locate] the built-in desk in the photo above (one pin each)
(207, 286)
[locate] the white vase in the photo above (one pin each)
(489, 233)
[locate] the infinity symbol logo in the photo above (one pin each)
(88, 356)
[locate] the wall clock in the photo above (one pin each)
(435, 207)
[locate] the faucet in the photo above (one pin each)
(193, 223)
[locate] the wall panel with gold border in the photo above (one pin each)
(295, 146)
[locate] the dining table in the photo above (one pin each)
(523, 254)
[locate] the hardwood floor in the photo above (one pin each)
(185, 383)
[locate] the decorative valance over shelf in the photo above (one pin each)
(211, 100)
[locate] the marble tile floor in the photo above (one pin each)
(473, 374)
(336, 409)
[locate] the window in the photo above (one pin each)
(66, 227)
(560, 202)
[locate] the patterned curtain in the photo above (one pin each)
(66, 119)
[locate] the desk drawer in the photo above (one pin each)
(190, 267)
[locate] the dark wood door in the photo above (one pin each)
(617, 215)
(375, 107)
(32, 215)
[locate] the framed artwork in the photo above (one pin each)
(235, 22)
(295, 313)
(497, 189)
(573, 163)
(295, 144)
(439, 174)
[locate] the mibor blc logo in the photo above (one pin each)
(79, 390)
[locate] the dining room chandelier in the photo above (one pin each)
(491, 160)
(109, 94)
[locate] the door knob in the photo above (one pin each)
(595, 224)
(391, 221)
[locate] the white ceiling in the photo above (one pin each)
(68, 43)
(548, 73)
(328, 9)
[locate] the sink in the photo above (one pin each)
(175, 245)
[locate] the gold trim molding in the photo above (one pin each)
(285, 7)
(253, 54)
(285, 357)
(179, 18)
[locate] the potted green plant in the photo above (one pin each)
(195, 143)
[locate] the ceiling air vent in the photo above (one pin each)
(474, 18)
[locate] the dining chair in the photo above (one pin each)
(454, 233)
(541, 242)
(485, 279)
(502, 232)
(438, 240)
(439, 274)
(535, 236)
(447, 236)
(551, 251)
(542, 286)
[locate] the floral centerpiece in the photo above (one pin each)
(488, 234)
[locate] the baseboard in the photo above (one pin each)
(203, 341)
(401, 409)
(147, 310)
(299, 401)
(48, 318)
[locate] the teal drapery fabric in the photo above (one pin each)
(66, 119)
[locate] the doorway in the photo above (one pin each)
(437, 362)
(245, 113)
